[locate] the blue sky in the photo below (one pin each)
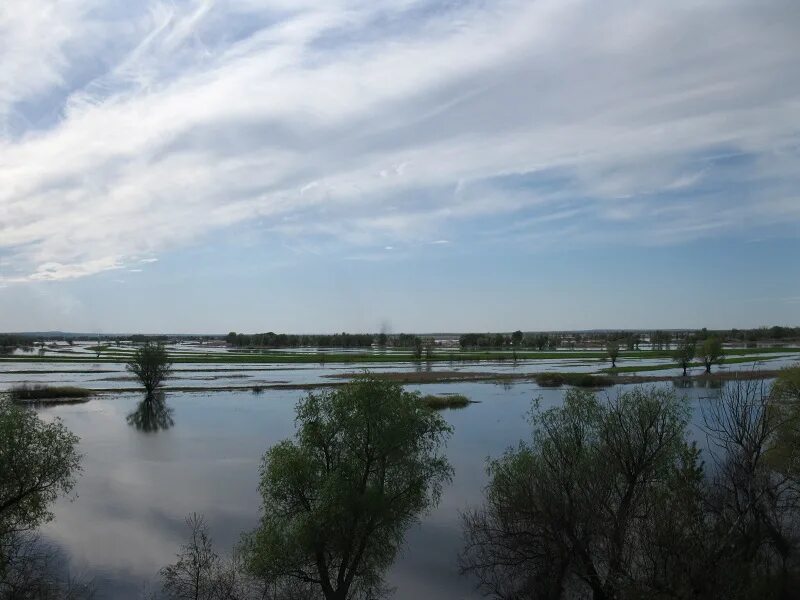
(313, 166)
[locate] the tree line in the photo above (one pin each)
(336, 340)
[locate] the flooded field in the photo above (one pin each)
(126, 519)
(144, 473)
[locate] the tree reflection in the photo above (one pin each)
(152, 414)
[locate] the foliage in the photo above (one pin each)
(563, 511)
(29, 393)
(366, 462)
(609, 500)
(39, 462)
(151, 365)
(711, 352)
(612, 349)
(684, 353)
(553, 379)
(445, 401)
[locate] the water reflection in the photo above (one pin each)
(687, 383)
(152, 414)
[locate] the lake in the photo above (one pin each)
(126, 518)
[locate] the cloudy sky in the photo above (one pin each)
(328, 165)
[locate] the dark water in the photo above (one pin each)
(126, 520)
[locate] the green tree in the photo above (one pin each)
(711, 352)
(39, 462)
(366, 462)
(516, 338)
(567, 510)
(684, 353)
(151, 365)
(612, 349)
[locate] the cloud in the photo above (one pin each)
(130, 129)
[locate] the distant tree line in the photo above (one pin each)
(336, 340)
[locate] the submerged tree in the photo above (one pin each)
(612, 349)
(367, 461)
(151, 365)
(711, 352)
(684, 353)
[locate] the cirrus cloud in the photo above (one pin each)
(129, 129)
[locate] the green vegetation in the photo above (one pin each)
(549, 379)
(710, 352)
(612, 349)
(609, 500)
(34, 393)
(151, 365)
(39, 462)
(367, 460)
(684, 353)
(445, 401)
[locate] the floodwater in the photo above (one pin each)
(126, 518)
(145, 472)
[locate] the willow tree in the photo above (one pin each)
(151, 365)
(366, 462)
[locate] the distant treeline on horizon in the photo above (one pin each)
(631, 339)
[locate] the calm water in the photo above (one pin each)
(126, 520)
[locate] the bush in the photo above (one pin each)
(575, 379)
(33, 393)
(445, 401)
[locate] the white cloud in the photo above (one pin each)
(379, 122)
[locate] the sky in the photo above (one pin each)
(360, 165)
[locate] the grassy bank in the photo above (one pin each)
(445, 401)
(48, 393)
(574, 379)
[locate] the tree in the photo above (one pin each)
(39, 462)
(684, 353)
(565, 511)
(612, 349)
(151, 365)
(418, 345)
(199, 573)
(755, 496)
(711, 352)
(516, 338)
(367, 460)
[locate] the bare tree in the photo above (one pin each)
(755, 494)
